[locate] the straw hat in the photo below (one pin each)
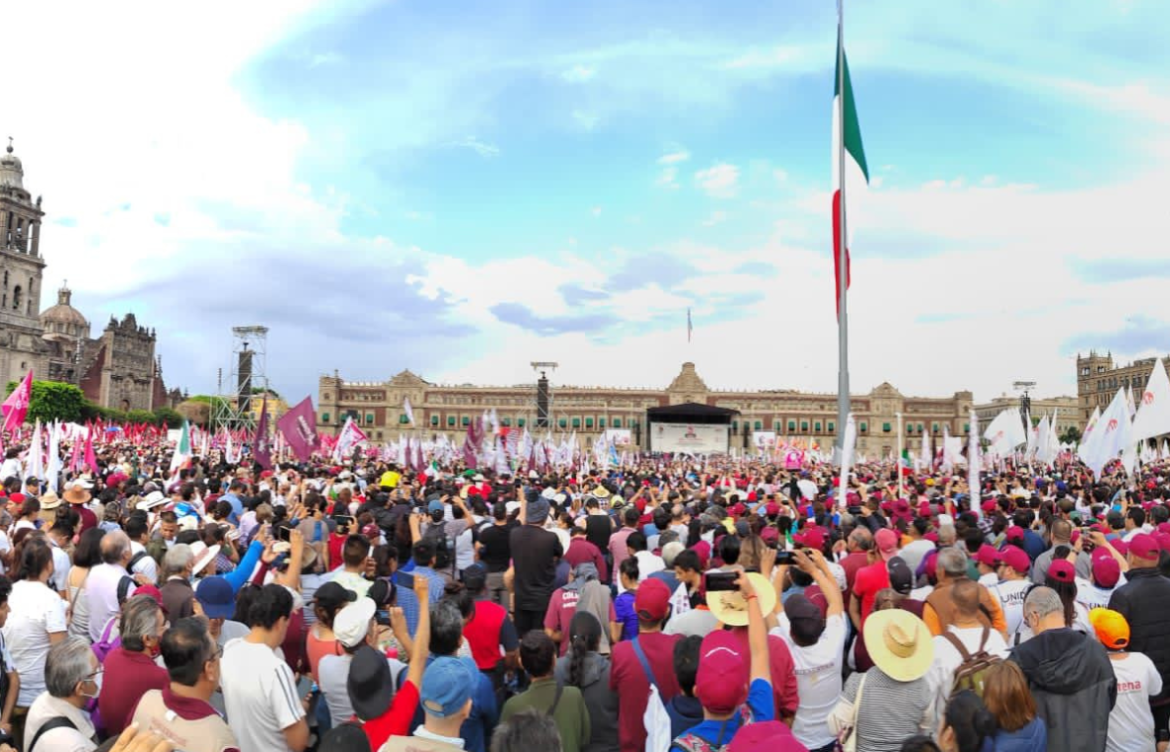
(899, 643)
(203, 556)
(75, 493)
(730, 607)
(49, 500)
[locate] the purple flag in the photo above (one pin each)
(298, 426)
(261, 446)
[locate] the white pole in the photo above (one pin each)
(898, 459)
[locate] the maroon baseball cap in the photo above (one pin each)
(1106, 570)
(721, 683)
(1143, 546)
(1015, 533)
(1016, 558)
(1062, 571)
(1119, 546)
(987, 556)
(770, 736)
(886, 541)
(652, 600)
(990, 506)
(813, 537)
(924, 509)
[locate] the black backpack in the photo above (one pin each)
(436, 534)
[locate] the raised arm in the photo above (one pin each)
(422, 635)
(757, 632)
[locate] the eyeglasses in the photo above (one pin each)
(215, 656)
(93, 675)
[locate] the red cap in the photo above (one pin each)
(1015, 533)
(924, 509)
(1062, 571)
(886, 541)
(769, 535)
(1119, 546)
(902, 508)
(652, 600)
(1143, 546)
(153, 592)
(1106, 570)
(772, 509)
(990, 506)
(1163, 540)
(1164, 527)
(932, 537)
(722, 679)
(988, 556)
(16, 498)
(770, 736)
(1016, 558)
(813, 537)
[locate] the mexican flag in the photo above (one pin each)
(906, 463)
(182, 448)
(847, 130)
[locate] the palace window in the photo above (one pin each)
(324, 417)
(864, 427)
(450, 421)
(934, 427)
(792, 426)
(885, 427)
(589, 422)
(817, 427)
(466, 421)
(434, 420)
(759, 425)
(564, 423)
(617, 422)
(404, 420)
(507, 422)
(521, 422)
(601, 422)
(804, 426)
(832, 427)
(966, 428)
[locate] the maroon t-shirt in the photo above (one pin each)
(628, 679)
(127, 677)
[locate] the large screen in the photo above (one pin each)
(695, 438)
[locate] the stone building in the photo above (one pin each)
(1098, 380)
(444, 409)
(119, 369)
(1066, 409)
(21, 271)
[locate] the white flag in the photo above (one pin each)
(973, 462)
(407, 409)
(54, 469)
(35, 463)
(847, 445)
(1111, 434)
(1153, 415)
(1089, 434)
(1005, 433)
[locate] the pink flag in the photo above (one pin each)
(75, 458)
(16, 406)
(90, 457)
(298, 426)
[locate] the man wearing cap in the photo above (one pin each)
(987, 562)
(1069, 674)
(217, 599)
(628, 678)
(1061, 536)
(352, 628)
(445, 697)
(181, 711)
(1144, 601)
(535, 554)
(1013, 586)
(1108, 565)
(731, 675)
(817, 643)
(874, 577)
(1131, 724)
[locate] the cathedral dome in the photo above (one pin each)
(11, 170)
(70, 319)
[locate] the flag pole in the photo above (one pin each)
(898, 460)
(842, 269)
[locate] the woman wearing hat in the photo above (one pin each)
(901, 647)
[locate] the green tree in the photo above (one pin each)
(141, 416)
(1072, 435)
(168, 417)
(53, 400)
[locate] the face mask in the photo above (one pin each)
(97, 682)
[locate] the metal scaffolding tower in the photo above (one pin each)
(543, 402)
(232, 408)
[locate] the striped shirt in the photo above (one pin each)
(891, 711)
(260, 696)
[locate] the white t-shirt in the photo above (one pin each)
(260, 696)
(36, 611)
(1011, 594)
(1091, 596)
(146, 565)
(5, 547)
(915, 551)
(1080, 624)
(818, 677)
(698, 622)
(1131, 724)
(61, 567)
(940, 678)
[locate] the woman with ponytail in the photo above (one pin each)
(966, 724)
(585, 668)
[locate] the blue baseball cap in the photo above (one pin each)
(447, 685)
(216, 597)
(435, 506)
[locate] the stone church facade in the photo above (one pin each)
(119, 369)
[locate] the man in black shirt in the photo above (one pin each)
(495, 553)
(535, 554)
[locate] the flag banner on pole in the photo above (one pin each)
(846, 140)
(298, 426)
(261, 447)
(16, 406)
(406, 408)
(1153, 412)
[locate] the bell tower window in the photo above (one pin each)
(17, 297)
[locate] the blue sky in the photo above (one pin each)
(459, 188)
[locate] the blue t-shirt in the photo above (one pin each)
(623, 608)
(720, 733)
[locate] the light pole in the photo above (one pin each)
(1025, 403)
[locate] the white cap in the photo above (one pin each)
(352, 623)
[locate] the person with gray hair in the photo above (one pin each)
(178, 597)
(101, 590)
(1069, 673)
(526, 731)
(57, 718)
(940, 611)
(130, 669)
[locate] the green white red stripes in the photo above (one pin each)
(856, 170)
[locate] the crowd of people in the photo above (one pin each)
(666, 605)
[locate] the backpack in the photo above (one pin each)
(656, 720)
(691, 742)
(137, 558)
(108, 642)
(971, 673)
(53, 723)
(444, 546)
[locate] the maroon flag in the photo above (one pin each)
(469, 457)
(16, 406)
(261, 448)
(298, 426)
(420, 465)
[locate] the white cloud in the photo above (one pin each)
(482, 148)
(780, 175)
(674, 157)
(668, 178)
(579, 74)
(767, 59)
(718, 181)
(716, 217)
